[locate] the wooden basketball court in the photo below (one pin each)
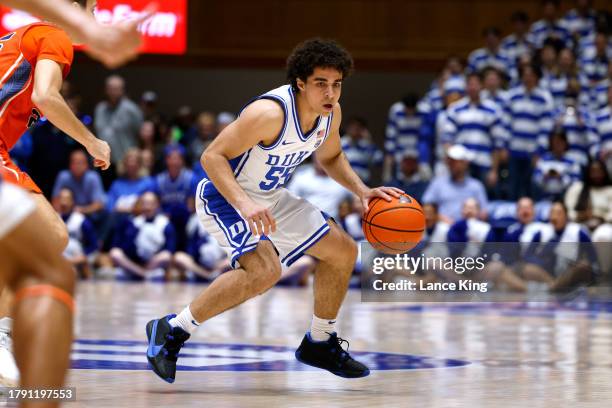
(425, 355)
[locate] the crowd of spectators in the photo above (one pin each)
(527, 117)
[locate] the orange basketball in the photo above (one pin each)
(395, 226)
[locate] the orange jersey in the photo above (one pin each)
(19, 53)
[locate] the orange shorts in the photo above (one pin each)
(13, 174)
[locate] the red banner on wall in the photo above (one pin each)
(164, 33)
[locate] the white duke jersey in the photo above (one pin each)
(265, 168)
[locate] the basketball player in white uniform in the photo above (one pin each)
(242, 203)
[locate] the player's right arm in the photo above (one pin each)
(46, 96)
(262, 117)
(113, 45)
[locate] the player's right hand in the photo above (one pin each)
(117, 44)
(259, 218)
(100, 151)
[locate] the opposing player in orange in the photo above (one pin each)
(34, 61)
(43, 285)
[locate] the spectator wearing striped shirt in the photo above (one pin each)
(440, 144)
(518, 43)
(602, 130)
(530, 112)
(594, 60)
(478, 125)
(404, 133)
(575, 121)
(554, 80)
(596, 97)
(359, 149)
(549, 26)
(555, 170)
(580, 21)
(491, 55)
(493, 87)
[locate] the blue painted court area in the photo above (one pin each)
(130, 355)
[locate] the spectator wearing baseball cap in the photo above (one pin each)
(450, 191)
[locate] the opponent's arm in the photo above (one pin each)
(46, 96)
(262, 117)
(113, 45)
(336, 165)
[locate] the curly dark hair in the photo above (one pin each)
(317, 52)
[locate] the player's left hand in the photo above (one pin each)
(383, 192)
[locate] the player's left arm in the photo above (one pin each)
(46, 96)
(336, 165)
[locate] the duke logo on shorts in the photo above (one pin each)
(262, 171)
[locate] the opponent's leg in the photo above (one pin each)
(51, 223)
(43, 286)
(259, 272)
(322, 348)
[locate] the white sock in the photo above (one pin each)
(6, 324)
(320, 329)
(185, 321)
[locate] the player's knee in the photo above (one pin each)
(62, 237)
(263, 274)
(347, 250)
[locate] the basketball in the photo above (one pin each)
(395, 226)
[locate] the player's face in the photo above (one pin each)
(322, 89)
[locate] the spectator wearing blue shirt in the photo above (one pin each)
(85, 184)
(491, 55)
(530, 114)
(124, 193)
(83, 240)
(409, 178)
(361, 152)
(145, 242)
(449, 192)
(555, 171)
(173, 187)
(550, 26)
(479, 126)
(518, 43)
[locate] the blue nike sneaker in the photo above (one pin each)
(329, 355)
(165, 342)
